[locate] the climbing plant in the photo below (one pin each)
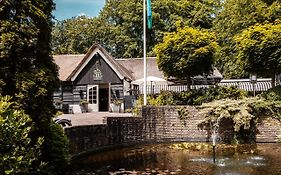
(244, 113)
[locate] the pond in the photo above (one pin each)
(260, 159)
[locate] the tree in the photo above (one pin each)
(27, 71)
(186, 53)
(236, 16)
(119, 27)
(260, 50)
(17, 152)
(76, 35)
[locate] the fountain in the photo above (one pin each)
(160, 159)
(214, 137)
(214, 127)
(197, 158)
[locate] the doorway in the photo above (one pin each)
(104, 98)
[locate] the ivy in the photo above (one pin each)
(182, 114)
(244, 113)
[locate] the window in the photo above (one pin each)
(93, 95)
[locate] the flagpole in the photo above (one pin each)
(144, 56)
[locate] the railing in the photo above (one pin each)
(244, 84)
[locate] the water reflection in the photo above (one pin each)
(160, 159)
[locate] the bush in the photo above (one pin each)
(18, 154)
(245, 114)
(57, 153)
(273, 94)
(199, 96)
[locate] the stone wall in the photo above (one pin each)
(156, 124)
(268, 129)
(165, 123)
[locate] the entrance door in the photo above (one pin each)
(103, 99)
(92, 97)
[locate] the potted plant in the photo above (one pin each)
(116, 105)
(84, 105)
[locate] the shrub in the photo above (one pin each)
(199, 96)
(57, 152)
(245, 113)
(18, 154)
(238, 111)
(273, 94)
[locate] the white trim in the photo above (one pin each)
(93, 107)
(96, 50)
(113, 67)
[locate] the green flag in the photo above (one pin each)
(149, 14)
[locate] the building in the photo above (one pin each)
(94, 79)
(97, 82)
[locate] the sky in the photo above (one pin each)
(69, 8)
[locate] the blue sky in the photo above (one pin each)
(69, 8)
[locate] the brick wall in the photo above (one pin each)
(268, 128)
(156, 124)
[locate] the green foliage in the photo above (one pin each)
(57, 143)
(220, 148)
(199, 96)
(183, 114)
(236, 110)
(244, 113)
(77, 35)
(273, 94)
(150, 101)
(187, 52)
(260, 49)
(166, 98)
(27, 71)
(264, 107)
(18, 154)
(119, 26)
(236, 16)
(191, 146)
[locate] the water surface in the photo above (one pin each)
(262, 159)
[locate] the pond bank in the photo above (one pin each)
(156, 124)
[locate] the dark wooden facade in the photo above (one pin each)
(98, 73)
(86, 76)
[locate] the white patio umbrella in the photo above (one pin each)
(151, 82)
(151, 79)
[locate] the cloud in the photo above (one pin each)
(82, 14)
